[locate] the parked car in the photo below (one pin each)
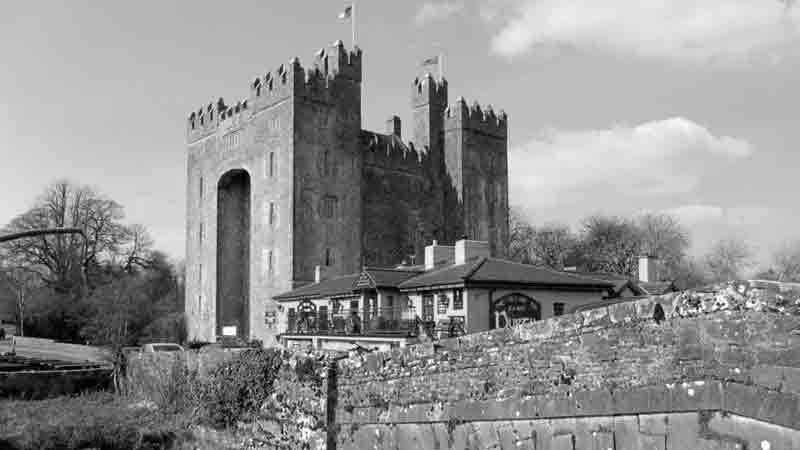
(161, 347)
(130, 350)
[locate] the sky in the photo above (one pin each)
(688, 107)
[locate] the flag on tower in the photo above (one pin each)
(347, 13)
(431, 61)
(438, 61)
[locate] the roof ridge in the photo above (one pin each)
(389, 269)
(478, 265)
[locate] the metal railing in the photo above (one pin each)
(356, 322)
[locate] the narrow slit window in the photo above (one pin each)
(271, 164)
(271, 213)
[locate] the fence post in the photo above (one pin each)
(331, 427)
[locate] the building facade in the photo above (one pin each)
(287, 180)
(460, 289)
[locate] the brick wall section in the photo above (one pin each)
(730, 351)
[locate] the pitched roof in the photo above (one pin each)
(376, 277)
(620, 281)
(325, 288)
(370, 277)
(493, 270)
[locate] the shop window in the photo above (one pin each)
(458, 299)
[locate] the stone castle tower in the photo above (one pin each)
(286, 180)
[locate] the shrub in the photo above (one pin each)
(236, 389)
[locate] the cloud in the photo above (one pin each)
(662, 157)
(433, 12)
(681, 31)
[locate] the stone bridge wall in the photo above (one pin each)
(714, 370)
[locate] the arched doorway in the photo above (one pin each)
(233, 253)
(514, 309)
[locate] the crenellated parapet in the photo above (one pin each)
(474, 117)
(429, 91)
(390, 152)
(332, 72)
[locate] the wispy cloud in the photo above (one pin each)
(437, 11)
(678, 31)
(650, 159)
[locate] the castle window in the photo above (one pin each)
(458, 299)
(199, 303)
(558, 309)
(268, 262)
(201, 232)
(258, 91)
(329, 257)
(325, 163)
(329, 206)
(201, 188)
(272, 213)
(200, 275)
(271, 164)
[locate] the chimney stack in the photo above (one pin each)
(648, 269)
(437, 255)
(319, 274)
(467, 250)
(393, 126)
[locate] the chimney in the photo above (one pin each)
(467, 250)
(319, 274)
(437, 255)
(648, 269)
(393, 126)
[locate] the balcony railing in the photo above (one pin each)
(356, 322)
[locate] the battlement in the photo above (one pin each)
(390, 152)
(318, 81)
(429, 90)
(476, 118)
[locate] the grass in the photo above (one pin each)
(98, 420)
(178, 411)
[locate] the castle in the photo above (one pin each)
(286, 182)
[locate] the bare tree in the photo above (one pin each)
(664, 237)
(552, 245)
(520, 239)
(138, 251)
(611, 244)
(728, 259)
(60, 259)
(786, 261)
(22, 283)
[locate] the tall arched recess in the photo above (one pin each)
(233, 252)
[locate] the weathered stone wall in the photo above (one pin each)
(692, 370)
(476, 160)
(295, 416)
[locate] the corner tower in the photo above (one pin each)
(271, 181)
(428, 103)
(476, 168)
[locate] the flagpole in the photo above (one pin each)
(353, 23)
(441, 66)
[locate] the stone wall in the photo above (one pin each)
(295, 416)
(714, 370)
